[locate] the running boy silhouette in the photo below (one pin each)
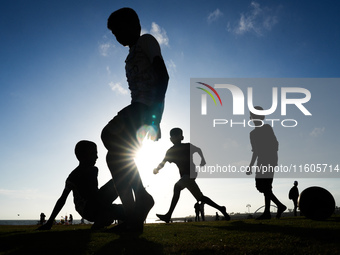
(264, 146)
(91, 203)
(182, 155)
(148, 80)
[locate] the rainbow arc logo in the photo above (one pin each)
(209, 93)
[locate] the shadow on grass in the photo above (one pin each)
(304, 229)
(45, 242)
(131, 245)
(63, 241)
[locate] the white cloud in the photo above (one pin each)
(104, 49)
(118, 88)
(171, 66)
(317, 132)
(159, 33)
(214, 16)
(108, 70)
(258, 20)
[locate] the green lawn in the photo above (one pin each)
(285, 236)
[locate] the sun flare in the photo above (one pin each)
(148, 157)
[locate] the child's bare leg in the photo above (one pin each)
(123, 185)
(144, 201)
(267, 199)
(174, 201)
(266, 214)
(222, 209)
(136, 201)
(119, 137)
(166, 217)
(280, 207)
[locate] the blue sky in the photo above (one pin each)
(62, 79)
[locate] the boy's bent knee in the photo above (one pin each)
(177, 188)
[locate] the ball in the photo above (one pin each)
(316, 203)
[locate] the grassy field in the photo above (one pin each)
(285, 236)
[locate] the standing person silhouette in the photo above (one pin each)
(70, 219)
(264, 146)
(197, 211)
(42, 218)
(202, 211)
(147, 78)
(294, 195)
(182, 155)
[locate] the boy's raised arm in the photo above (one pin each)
(57, 208)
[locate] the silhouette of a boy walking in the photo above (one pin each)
(265, 147)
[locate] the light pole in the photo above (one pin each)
(248, 205)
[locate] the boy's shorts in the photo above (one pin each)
(191, 185)
(123, 127)
(130, 126)
(264, 185)
(130, 118)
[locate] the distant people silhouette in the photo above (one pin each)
(70, 220)
(217, 217)
(265, 147)
(202, 211)
(91, 203)
(147, 78)
(197, 211)
(42, 218)
(294, 195)
(182, 155)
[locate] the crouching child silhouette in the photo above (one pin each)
(182, 155)
(265, 147)
(91, 203)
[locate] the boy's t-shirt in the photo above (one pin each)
(265, 145)
(139, 72)
(181, 155)
(84, 184)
